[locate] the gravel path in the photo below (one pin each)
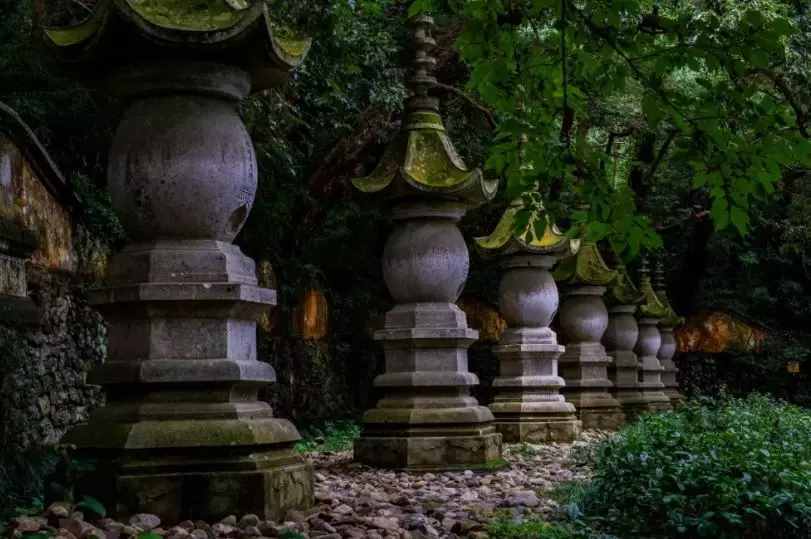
(356, 501)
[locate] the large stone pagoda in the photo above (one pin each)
(183, 434)
(584, 279)
(427, 418)
(620, 339)
(528, 406)
(668, 348)
(649, 314)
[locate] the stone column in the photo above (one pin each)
(427, 418)
(528, 406)
(583, 322)
(184, 434)
(620, 340)
(668, 348)
(650, 314)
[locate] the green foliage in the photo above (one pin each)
(289, 534)
(92, 505)
(505, 527)
(329, 436)
(725, 469)
(149, 535)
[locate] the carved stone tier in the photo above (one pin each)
(528, 405)
(184, 434)
(584, 364)
(427, 418)
(647, 347)
(670, 372)
(620, 339)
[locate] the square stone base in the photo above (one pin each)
(602, 418)
(429, 453)
(537, 431)
(281, 483)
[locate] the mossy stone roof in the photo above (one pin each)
(587, 267)
(507, 238)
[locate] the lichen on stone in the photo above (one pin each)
(508, 238)
(201, 15)
(587, 267)
(624, 291)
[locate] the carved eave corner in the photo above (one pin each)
(421, 161)
(241, 32)
(624, 291)
(507, 239)
(652, 306)
(586, 268)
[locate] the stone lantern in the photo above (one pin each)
(583, 322)
(650, 313)
(528, 406)
(668, 348)
(620, 339)
(427, 418)
(184, 434)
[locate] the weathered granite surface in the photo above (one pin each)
(427, 418)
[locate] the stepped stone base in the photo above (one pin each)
(422, 449)
(547, 428)
(677, 399)
(196, 481)
(597, 410)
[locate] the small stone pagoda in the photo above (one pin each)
(427, 418)
(620, 339)
(650, 313)
(584, 279)
(668, 348)
(183, 434)
(528, 406)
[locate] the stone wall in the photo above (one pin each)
(42, 369)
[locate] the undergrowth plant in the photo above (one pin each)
(728, 468)
(329, 436)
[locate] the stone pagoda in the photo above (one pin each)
(649, 314)
(668, 348)
(184, 434)
(620, 339)
(584, 279)
(528, 406)
(427, 418)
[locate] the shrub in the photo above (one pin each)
(329, 436)
(726, 469)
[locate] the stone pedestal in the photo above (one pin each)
(183, 434)
(620, 339)
(669, 373)
(427, 419)
(584, 364)
(647, 348)
(528, 406)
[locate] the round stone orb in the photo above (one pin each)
(622, 332)
(182, 167)
(583, 318)
(649, 339)
(425, 261)
(528, 297)
(668, 348)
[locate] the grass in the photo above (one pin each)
(333, 436)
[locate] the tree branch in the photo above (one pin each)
(487, 113)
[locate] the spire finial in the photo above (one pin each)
(659, 283)
(644, 270)
(422, 80)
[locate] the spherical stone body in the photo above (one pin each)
(649, 340)
(425, 261)
(668, 348)
(182, 167)
(622, 332)
(528, 297)
(583, 318)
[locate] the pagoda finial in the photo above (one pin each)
(653, 307)
(422, 79)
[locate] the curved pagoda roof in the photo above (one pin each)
(624, 291)
(237, 31)
(652, 306)
(587, 267)
(421, 161)
(507, 238)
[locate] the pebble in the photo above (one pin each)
(357, 501)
